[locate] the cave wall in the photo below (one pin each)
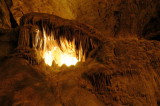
(112, 18)
(4, 15)
(8, 36)
(130, 68)
(127, 74)
(8, 42)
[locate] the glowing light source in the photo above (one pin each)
(66, 54)
(59, 57)
(48, 58)
(67, 57)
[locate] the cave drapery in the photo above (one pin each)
(42, 31)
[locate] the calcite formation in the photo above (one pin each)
(37, 27)
(122, 64)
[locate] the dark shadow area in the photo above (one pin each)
(13, 21)
(156, 37)
(152, 29)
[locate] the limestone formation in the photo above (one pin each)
(36, 27)
(119, 38)
(113, 18)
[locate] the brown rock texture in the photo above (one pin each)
(4, 15)
(113, 18)
(127, 73)
(120, 38)
(133, 69)
(8, 42)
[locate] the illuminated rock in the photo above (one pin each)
(116, 72)
(45, 32)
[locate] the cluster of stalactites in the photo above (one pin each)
(36, 28)
(31, 37)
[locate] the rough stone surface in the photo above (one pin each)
(8, 41)
(127, 73)
(122, 71)
(4, 15)
(113, 18)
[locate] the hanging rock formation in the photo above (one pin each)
(37, 27)
(120, 71)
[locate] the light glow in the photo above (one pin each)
(65, 53)
(48, 58)
(67, 57)
(59, 57)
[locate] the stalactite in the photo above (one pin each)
(84, 37)
(30, 37)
